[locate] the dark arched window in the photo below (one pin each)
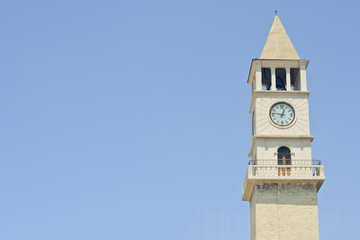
(284, 158)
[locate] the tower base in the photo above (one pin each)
(284, 212)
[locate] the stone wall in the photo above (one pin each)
(284, 212)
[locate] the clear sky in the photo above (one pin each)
(129, 119)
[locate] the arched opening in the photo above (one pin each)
(284, 158)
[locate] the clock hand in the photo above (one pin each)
(282, 114)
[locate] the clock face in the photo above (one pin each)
(282, 114)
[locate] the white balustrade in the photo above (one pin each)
(298, 168)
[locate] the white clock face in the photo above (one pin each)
(282, 114)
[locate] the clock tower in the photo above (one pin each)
(282, 178)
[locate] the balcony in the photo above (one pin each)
(293, 171)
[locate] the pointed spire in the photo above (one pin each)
(278, 44)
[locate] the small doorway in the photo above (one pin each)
(284, 158)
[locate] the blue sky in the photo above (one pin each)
(129, 119)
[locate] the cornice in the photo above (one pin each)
(276, 93)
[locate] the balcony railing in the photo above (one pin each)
(282, 171)
(288, 168)
(293, 162)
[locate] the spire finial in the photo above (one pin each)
(275, 12)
